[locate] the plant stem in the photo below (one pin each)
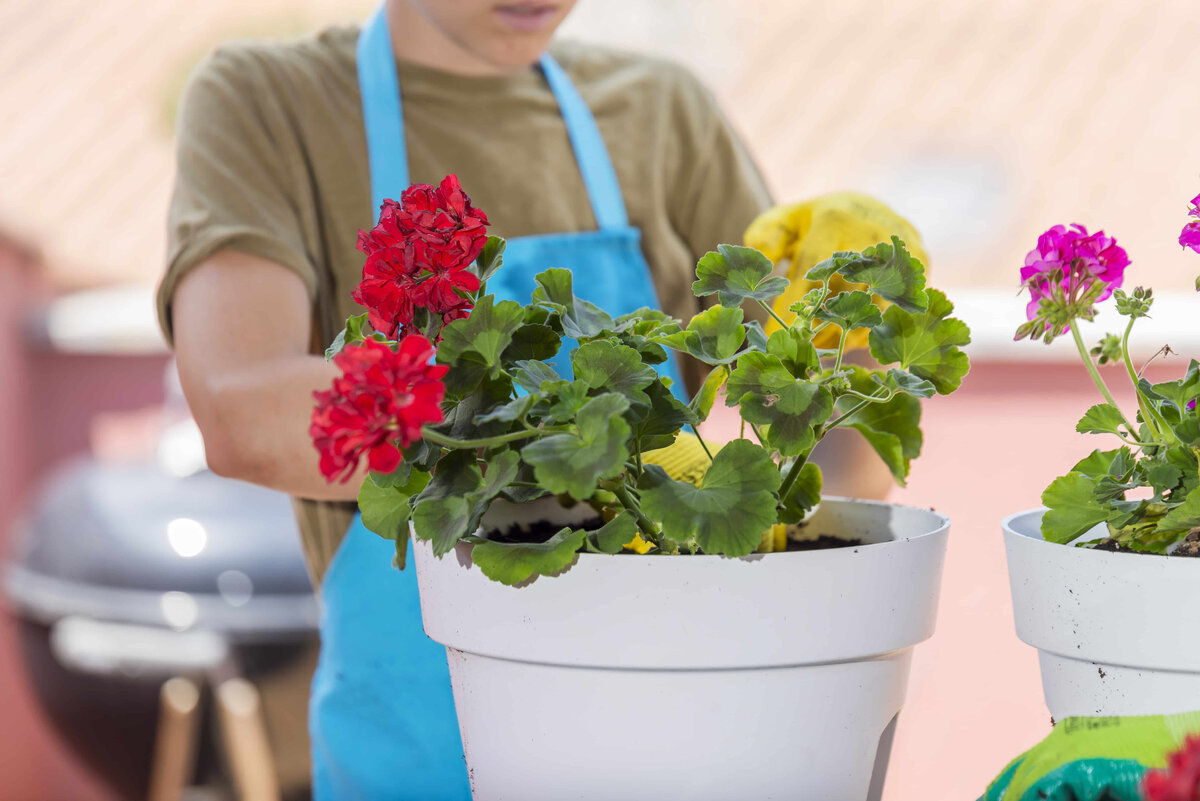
(438, 438)
(793, 473)
(1150, 415)
(1095, 374)
(771, 312)
(644, 523)
(841, 351)
(707, 452)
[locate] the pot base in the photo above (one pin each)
(804, 732)
(1078, 687)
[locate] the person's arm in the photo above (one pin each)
(242, 328)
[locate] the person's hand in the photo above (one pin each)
(798, 236)
(1089, 759)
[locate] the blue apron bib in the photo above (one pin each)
(382, 712)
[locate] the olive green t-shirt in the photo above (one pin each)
(272, 161)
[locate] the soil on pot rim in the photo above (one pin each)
(1189, 547)
(822, 542)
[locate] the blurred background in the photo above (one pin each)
(982, 122)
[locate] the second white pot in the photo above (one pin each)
(776, 676)
(1116, 633)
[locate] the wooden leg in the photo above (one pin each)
(246, 745)
(175, 744)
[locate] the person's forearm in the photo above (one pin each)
(255, 424)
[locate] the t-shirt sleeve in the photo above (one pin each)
(237, 183)
(719, 187)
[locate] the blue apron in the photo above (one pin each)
(382, 712)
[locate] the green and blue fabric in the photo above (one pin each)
(1093, 759)
(382, 712)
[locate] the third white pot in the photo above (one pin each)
(776, 676)
(1116, 633)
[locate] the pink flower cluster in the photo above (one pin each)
(1070, 265)
(1189, 237)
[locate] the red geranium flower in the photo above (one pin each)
(419, 255)
(377, 406)
(1181, 779)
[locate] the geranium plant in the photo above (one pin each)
(492, 418)
(1180, 780)
(1145, 491)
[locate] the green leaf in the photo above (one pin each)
(531, 375)
(568, 399)
(714, 336)
(756, 337)
(472, 346)
(514, 563)
(466, 418)
(509, 412)
(532, 343)
(702, 404)
(603, 365)
(385, 507)
(892, 429)
(1182, 392)
(454, 502)
(851, 310)
(1100, 419)
(903, 381)
(1106, 463)
(490, 258)
(888, 270)
(353, 332)
(926, 344)
(795, 350)
(803, 496)
(656, 427)
(728, 512)
(766, 393)
(580, 319)
(1184, 516)
(736, 274)
(612, 536)
(1073, 508)
(576, 463)
(1163, 477)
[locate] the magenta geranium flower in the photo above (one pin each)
(1069, 272)
(1189, 237)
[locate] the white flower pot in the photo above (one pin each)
(649, 677)
(1116, 633)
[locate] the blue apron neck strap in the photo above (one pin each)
(590, 151)
(383, 119)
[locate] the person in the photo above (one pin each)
(621, 167)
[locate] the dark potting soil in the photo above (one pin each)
(1189, 547)
(542, 530)
(539, 531)
(821, 543)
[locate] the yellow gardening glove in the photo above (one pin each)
(799, 236)
(686, 460)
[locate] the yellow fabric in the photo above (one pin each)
(799, 236)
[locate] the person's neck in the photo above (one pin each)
(417, 40)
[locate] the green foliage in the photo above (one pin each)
(515, 563)
(927, 344)
(355, 331)
(575, 463)
(452, 504)
(1100, 419)
(737, 274)
(728, 512)
(515, 428)
(713, 336)
(887, 269)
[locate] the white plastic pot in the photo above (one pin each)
(1116, 633)
(775, 676)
